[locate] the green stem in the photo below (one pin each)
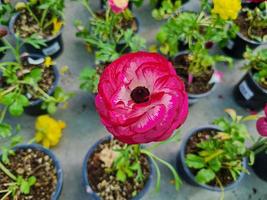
(168, 165)
(221, 187)
(43, 18)
(3, 191)
(32, 14)
(158, 174)
(6, 195)
(7, 172)
(3, 114)
(87, 6)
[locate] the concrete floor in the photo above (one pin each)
(84, 128)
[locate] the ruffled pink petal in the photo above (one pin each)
(262, 126)
(118, 6)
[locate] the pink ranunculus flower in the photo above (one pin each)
(118, 6)
(262, 124)
(141, 99)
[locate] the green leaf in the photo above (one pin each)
(5, 130)
(215, 165)
(204, 176)
(32, 180)
(16, 109)
(194, 161)
(121, 176)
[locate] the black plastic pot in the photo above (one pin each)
(93, 195)
(54, 45)
(186, 173)
(56, 194)
(249, 94)
(2, 54)
(34, 108)
(247, 4)
(193, 98)
(236, 47)
(260, 166)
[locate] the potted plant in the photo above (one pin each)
(44, 20)
(186, 28)
(29, 171)
(30, 82)
(252, 31)
(89, 76)
(215, 157)
(260, 148)
(108, 30)
(251, 91)
(107, 47)
(120, 167)
(196, 67)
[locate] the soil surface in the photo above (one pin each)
(48, 78)
(244, 25)
(28, 163)
(26, 25)
(105, 184)
(224, 175)
(200, 84)
(124, 23)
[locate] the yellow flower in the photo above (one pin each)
(48, 131)
(48, 62)
(57, 25)
(227, 9)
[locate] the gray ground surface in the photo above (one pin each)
(84, 127)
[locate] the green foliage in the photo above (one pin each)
(188, 28)
(18, 184)
(258, 64)
(223, 151)
(6, 12)
(44, 12)
(257, 20)
(19, 82)
(89, 80)
(127, 164)
(109, 34)
(201, 60)
(166, 9)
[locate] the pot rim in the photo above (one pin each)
(11, 30)
(191, 175)
(86, 183)
(56, 194)
(186, 52)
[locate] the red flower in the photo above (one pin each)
(118, 6)
(141, 99)
(262, 124)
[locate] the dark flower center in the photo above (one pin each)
(140, 94)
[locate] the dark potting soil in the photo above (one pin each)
(104, 182)
(29, 162)
(124, 23)
(224, 175)
(200, 84)
(26, 25)
(46, 82)
(243, 25)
